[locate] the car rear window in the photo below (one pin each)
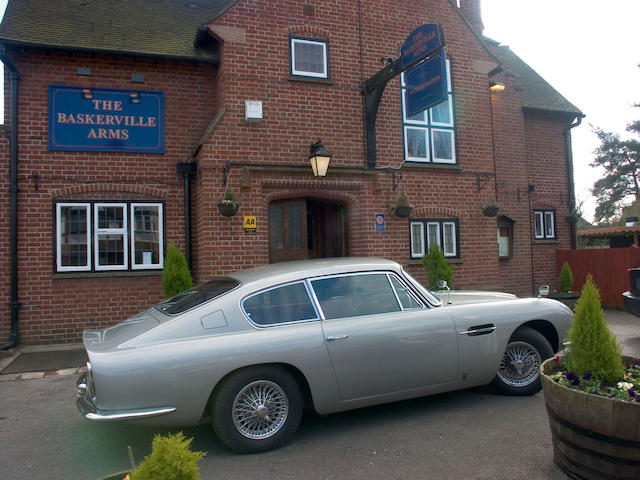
(197, 295)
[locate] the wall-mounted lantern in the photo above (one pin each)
(319, 159)
(496, 86)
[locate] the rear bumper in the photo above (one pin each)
(88, 409)
(631, 303)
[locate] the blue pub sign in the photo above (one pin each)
(105, 120)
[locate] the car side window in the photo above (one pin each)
(284, 304)
(355, 295)
(407, 299)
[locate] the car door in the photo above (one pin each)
(381, 339)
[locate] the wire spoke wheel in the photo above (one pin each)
(260, 409)
(520, 364)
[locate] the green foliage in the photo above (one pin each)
(437, 267)
(229, 196)
(565, 279)
(176, 277)
(171, 458)
(593, 348)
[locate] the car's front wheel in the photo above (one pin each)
(519, 372)
(257, 409)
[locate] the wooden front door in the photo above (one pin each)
(288, 231)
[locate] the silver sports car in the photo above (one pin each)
(251, 349)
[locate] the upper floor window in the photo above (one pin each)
(309, 57)
(429, 136)
(103, 236)
(544, 224)
(427, 232)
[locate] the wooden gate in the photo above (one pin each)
(608, 266)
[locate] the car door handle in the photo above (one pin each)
(479, 330)
(337, 337)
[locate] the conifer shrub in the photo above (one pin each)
(171, 458)
(176, 277)
(594, 349)
(565, 279)
(437, 267)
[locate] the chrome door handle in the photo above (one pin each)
(337, 337)
(479, 330)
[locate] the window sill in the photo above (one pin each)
(119, 273)
(431, 166)
(547, 241)
(418, 261)
(319, 81)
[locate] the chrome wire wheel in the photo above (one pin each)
(520, 364)
(260, 409)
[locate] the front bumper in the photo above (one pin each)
(86, 405)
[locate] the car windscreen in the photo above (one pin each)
(197, 295)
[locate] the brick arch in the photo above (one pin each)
(542, 205)
(308, 30)
(434, 212)
(95, 188)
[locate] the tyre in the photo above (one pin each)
(257, 409)
(519, 372)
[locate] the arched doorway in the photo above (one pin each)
(307, 228)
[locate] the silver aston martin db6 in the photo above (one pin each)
(249, 350)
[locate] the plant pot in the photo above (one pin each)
(402, 211)
(228, 209)
(593, 436)
(572, 219)
(568, 298)
(490, 210)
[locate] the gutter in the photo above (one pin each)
(14, 304)
(570, 181)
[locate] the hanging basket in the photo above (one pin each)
(228, 208)
(490, 210)
(402, 211)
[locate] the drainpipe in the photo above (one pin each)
(571, 183)
(188, 172)
(14, 304)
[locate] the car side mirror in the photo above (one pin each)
(543, 291)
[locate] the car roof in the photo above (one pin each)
(277, 273)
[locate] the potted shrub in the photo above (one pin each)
(170, 458)
(564, 293)
(591, 399)
(228, 206)
(176, 277)
(437, 268)
(402, 208)
(490, 209)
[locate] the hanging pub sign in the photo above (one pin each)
(105, 120)
(426, 84)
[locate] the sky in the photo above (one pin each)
(589, 51)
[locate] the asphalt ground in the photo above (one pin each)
(469, 434)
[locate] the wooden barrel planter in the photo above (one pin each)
(593, 437)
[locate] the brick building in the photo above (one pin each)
(127, 121)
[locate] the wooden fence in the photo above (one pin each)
(607, 265)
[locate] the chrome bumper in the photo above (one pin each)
(88, 409)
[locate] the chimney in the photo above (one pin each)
(472, 12)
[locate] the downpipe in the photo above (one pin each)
(14, 304)
(571, 182)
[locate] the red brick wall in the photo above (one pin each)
(57, 307)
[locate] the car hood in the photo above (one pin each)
(115, 335)
(462, 297)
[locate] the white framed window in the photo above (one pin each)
(544, 224)
(309, 57)
(427, 232)
(108, 236)
(73, 244)
(429, 136)
(146, 241)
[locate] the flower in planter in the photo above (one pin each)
(228, 206)
(490, 209)
(402, 208)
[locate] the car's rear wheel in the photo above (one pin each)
(519, 372)
(257, 409)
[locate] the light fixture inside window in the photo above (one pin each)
(319, 159)
(496, 86)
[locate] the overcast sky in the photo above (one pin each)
(588, 50)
